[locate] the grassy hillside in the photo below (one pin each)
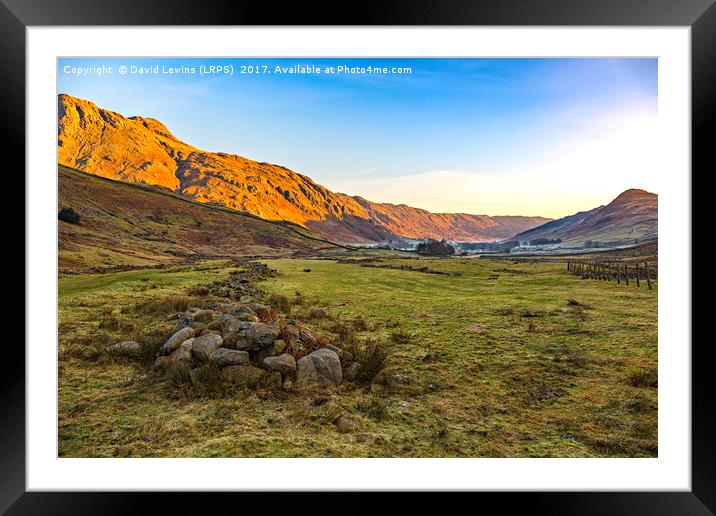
(632, 217)
(140, 225)
(493, 359)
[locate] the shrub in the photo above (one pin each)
(69, 215)
(318, 313)
(151, 341)
(644, 378)
(163, 306)
(280, 302)
(374, 408)
(199, 290)
(90, 347)
(374, 355)
(346, 333)
(109, 322)
(401, 337)
(205, 381)
(638, 403)
(435, 248)
(360, 324)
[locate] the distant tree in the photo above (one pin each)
(69, 215)
(435, 248)
(545, 241)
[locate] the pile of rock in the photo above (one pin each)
(248, 352)
(241, 284)
(278, 353)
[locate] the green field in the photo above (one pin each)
(495, 359)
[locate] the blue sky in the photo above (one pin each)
(471, 135)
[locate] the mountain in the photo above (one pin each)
(143, 150)
(630, 218)
(140, 225)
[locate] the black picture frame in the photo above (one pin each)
(700, 15)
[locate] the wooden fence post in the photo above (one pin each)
(637, 274)
(648, 274)
(626, 274)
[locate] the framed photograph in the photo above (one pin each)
(445, 248)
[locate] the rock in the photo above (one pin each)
(204, 346)
(229, 340)
(223, 357)
(198, 326)
(127, 348)
(201, 315)
(246, 314)
(229, 323)
(344, 424)
(173, 342)
(187, 344)
(353, 372)
(244, 375)
(258, 355)
(260, 310)
(177, 356)
(279, 345)
(182, 322)
(162, 362)
(255, 335)
(272, 380)
(321, 368)
(345, 356)
(391, 380)
(223, 318)
(318, 313)
(284, 364)
(296, 346)
(292, 332)
(214, 326)
(180, 355)
(210, 331)
(307, 338)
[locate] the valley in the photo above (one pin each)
(491, 358)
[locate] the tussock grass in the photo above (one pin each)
(373, 354)
(199, 290)
(280, 302)
(164, 305)
(644, 378)
(401, 337)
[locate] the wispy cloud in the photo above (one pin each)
(570, 178)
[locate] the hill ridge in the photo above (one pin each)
(143, 149)
(631, 217)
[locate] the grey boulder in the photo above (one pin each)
(173, 342)
(284, 364)
(244, 375)
(223, 357)
(204, 346)
(345, 357)
(322, 368)
(128, 348)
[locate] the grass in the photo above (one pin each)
(505, 367)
